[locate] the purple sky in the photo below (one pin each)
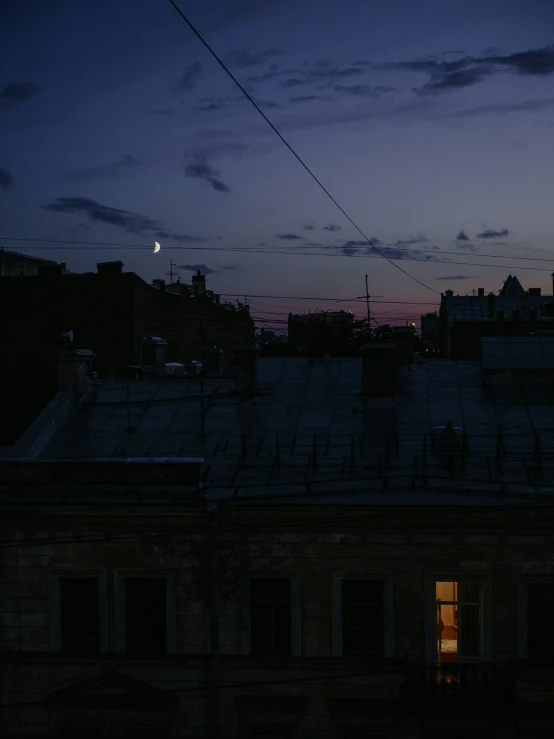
(427, 120)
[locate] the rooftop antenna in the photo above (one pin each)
(67, 336)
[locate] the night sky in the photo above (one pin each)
(431, 122)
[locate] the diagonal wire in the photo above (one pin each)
(293, 152)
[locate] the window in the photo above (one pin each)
(457, 613)
(145, 614)
(80, 615)
(78, 618)
(271, 615)
(363, 617)
(537, 621)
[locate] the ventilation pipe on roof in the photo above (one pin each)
(153, 353)
(481, 292)
(379, 369)
(491, 303)
(75, 370)
(247, 371)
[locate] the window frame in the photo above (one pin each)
(431, 615)
(295, 620)
(522, 611)
(388, 610)
(55, 576)
(120, 603)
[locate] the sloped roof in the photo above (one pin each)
(524, 353)
(311, 425)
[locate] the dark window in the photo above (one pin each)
(271, 615)
(540, 621)
(362, 617)
(80, 614)
(146, 616)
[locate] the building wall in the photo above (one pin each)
(14, 264)
(315, 692)
(108, 313)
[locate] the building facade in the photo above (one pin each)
(306, 551)
(513, 312)
(111, 312)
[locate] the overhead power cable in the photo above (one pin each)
(293, 152)
(281, 252)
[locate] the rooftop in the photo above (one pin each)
(310, 431)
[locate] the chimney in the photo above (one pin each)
(75, 370)
(51, 270)
(212, 358)
(159, 284)
(404, 338)
(491, 302)
(481, 292)
(109, 269)
(247, 371)
(534, 291)
(153, 353)
(199, 283)
(379, 369)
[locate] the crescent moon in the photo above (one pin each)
(157, 247)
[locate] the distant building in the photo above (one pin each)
(514, 311)
(110, 312)
(318, 329)
(14, 264)
(430, 330)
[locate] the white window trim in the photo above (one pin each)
(522, 621)
(246, 625)
(55, 576)
(388, 608)
(120, 606)
(430, 615)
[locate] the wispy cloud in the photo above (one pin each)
(6, 179)
(16, 93)
(204, 269)
(308, 98)
(188, 80)
(490, 233)
(351, 248)
(410, 242)
(455, 277)
(364, 91)
(321, 73)
(309, 226)
(288, 237)
(332, 227)
(245, 57)
(127, 220)
(462, 236)
(201, 169)
(450, 74)
(125, 165)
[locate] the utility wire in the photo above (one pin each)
(281, 252)
(289, 147)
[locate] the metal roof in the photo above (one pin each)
(524, 353)
(311, 426)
